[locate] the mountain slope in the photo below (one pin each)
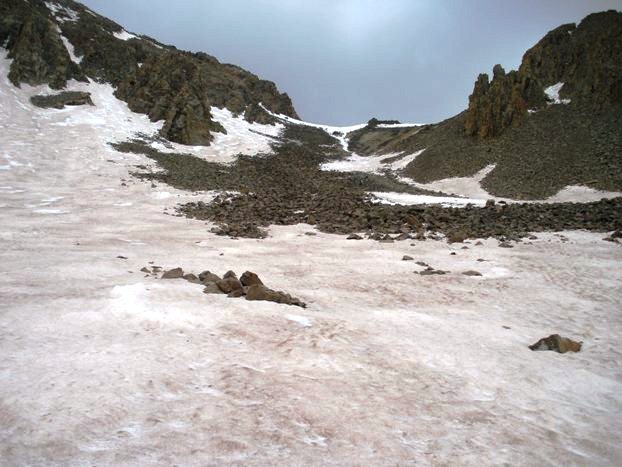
(555, 122)
(53, 42)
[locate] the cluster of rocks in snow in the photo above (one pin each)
(249, 285)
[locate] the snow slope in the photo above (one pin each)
(100, 365)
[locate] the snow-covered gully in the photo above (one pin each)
(100, 365)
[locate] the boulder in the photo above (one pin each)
(229, 284)
(261, 292)
(407, 258)
(236, 293)
(250, 278)
(176, 273)
(59, 101)
(557, 343)
(457, 237)
(212, 288)
(472, 273)
(192, 278)
(206, 277)
(432, 272)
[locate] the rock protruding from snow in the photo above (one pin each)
(249, 285)
(557, 343)
(59, 101)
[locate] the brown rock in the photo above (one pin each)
(260, 292)
(236, 293)
(207, 277)
(192, 278)
(229, 284)
(250, 278)
(212, 288)
(457, 237)
(176, 273)
(557, 343)
(472, 273)
(432, 272)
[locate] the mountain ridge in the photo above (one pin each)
(35, 32)
(541, 133)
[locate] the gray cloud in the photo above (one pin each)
(344, 61)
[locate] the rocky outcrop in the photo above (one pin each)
(496, 105)
(34, 44)
(160, 81)
(585, 58)
(171, 87)
(60, 100)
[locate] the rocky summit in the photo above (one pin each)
(583, 61)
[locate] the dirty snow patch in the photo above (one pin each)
(399, 125)
(124, 35)
(581, 194)
(338, 132)
(70, 49)
(370, 164)
(61, 13)
(49, 211)
(552, 92)
(302, 320)
(408, 199)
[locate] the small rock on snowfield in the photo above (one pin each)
(207, 277)
(557, 343)
(472, 273)
(176, 273)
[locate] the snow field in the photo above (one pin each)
(102, 365)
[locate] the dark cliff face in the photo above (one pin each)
(587, 58)
(161, 81)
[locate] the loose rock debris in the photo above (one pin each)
(249, 285)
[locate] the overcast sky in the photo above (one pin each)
(345, 61)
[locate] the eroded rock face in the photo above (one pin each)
(180, 88)
(35, 46)
(585, 58)
(162, 82)
(171, 88)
